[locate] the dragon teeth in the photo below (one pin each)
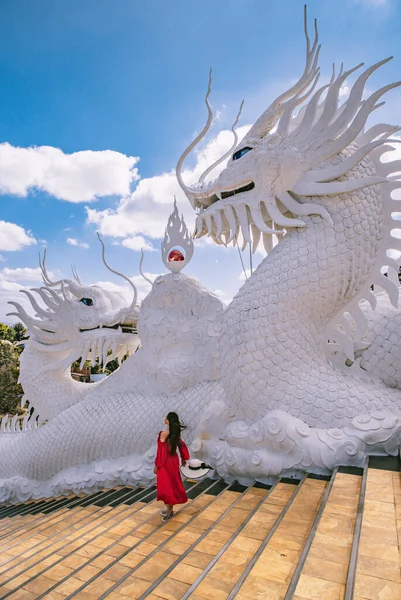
(244, 223)
(208, 223)
(105, 352)
(93, 353)
(219, 223)
(230, 216)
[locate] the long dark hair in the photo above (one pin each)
(175, 428)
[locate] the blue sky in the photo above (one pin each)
(121, 83)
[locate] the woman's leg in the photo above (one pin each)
(167, 512)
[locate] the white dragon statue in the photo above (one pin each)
(296, 374)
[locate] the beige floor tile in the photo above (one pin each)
(132, 587)
(378, 550)
(88, 551)
(335, 554)
(380, 508)
(144, 548)
(373, 588)
(227, 572)
(116, 596)
(128, 542)
(171, 589)
(187, 537)
(343, 540)
(102, 542)
(185, 573)
(159, 537)
(285, 548)
(209, 546)
(233, 556)
(297, 529)
(379, 521)
(102, 561)
(314, 588)
(256, 532)
(377, 491)
(326, 569)
(16, 581)
(339, 498)
(155, 567)
(379, 567)
(213, 588)
(99, 586)
(87, 573)
(58, 572)
(117, 550)
(198, 559)
(258, 588)
(373, 534)
(84, 595)
(73, 561)
(219, 535)
(22, 595)
(115, 572)
(131, 559)
(278, 570)
(341, 524)
(39, 585)
(69, 586)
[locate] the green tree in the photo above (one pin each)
(6, 332)
(20, 331)
(10, 389)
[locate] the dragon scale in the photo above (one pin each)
(271, 345)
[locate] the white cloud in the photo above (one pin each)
(146, 210)
(244, 275)
(78, 177)
(13, 237)
(23, 274)
(74, 242)
(224, 296)
(136, 243)
(10, 290)
(142, 286)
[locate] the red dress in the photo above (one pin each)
(169, 483)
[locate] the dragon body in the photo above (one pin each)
(296, 374)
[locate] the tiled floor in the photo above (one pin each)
(247, 540)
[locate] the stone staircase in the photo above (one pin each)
(327, 538)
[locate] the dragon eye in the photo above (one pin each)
(87, 301)
(240, 153)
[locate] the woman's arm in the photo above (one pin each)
(160, 456)
(184, 452)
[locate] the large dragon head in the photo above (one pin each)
(80, 321)
(284, 159)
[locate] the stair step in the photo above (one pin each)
(321, 536)
(379, 553)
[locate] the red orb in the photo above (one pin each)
(175, 255)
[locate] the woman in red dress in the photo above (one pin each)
(167, 468)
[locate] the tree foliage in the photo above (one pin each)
(14, 333)
(10, 389)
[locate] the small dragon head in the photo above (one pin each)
(284, 160)
(80, 321)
